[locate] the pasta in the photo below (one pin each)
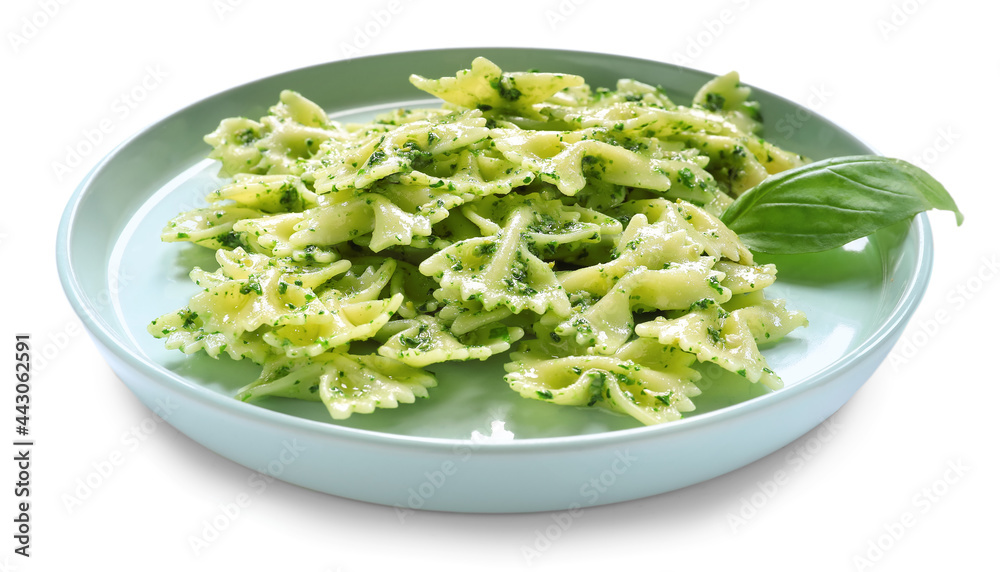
(576, 227)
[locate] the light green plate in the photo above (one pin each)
(119, 276)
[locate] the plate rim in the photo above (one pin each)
(909, 300)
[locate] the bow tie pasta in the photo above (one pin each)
(575, 226)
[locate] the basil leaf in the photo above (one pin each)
(829, 203)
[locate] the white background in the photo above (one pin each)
(916, 80)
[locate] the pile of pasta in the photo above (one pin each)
(528, 209)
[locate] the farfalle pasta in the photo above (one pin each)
(568, 230)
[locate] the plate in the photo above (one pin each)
(475, 445)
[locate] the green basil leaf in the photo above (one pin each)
(829, 203)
